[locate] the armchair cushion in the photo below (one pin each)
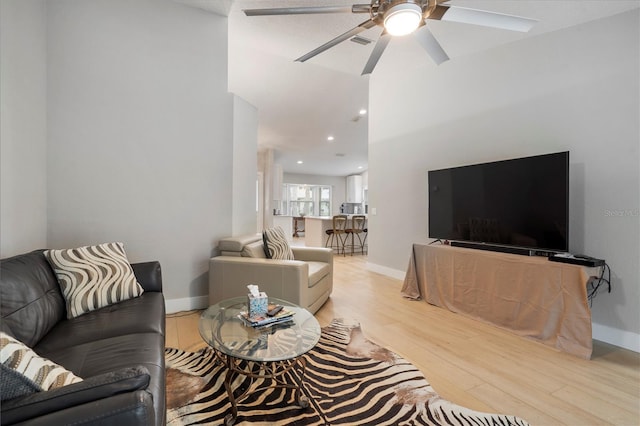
(93, 277)
(255, 249)
(236, 244)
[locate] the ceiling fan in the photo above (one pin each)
(402, 17)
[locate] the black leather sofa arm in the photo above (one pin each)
(127, 409)
(149, 275)
(100, 392)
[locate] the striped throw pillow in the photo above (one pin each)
(93, 277)
(276, 244)
(25, 372)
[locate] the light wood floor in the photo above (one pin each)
(471, 363)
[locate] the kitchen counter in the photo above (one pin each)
(349, 216)
(316, 227)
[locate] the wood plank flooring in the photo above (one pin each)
(471, 363)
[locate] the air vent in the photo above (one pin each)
(339, 154)
(361, 40)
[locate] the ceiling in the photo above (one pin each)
(301, 104)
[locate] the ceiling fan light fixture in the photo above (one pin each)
(402, 19)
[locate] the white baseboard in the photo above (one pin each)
(389, 272)
(186, 304)
(614, 336)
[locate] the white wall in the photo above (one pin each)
(576, 89)
(338, 186)
(245, 167)
(23, 129)
(140, 133)
(265, 167)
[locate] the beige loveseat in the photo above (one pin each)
(306, 281)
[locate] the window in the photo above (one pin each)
(307, 200)
(325, 201)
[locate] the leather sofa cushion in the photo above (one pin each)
(317, 271)
(32, 303)
(115, 353)
(237, 243)
(144, 314)
(149, 275)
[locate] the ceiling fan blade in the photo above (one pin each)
(431, 45)
(482, 17)
(381, 44)
(297, 10)
(362, 27)
(356, 8)
(361, 8)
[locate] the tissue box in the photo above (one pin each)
(257, 305)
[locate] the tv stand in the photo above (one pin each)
(530, 296)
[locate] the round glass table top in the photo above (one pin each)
(222, 328)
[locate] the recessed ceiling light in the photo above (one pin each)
(330, 138)
(359, 167)
(300, 161)
(363, 111)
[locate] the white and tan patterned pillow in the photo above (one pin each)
(29, 371)
(276, 244)
(93, 277)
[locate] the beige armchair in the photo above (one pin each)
(306, 281)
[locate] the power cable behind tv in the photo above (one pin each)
(595, 283)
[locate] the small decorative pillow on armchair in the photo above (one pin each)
(276, 245)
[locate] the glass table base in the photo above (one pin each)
(273, 374)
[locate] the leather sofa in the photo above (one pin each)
(306, 281)
(117, 350)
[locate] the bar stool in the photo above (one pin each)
(337, 234)
(296, 223)
(357, 228)
(364, 241)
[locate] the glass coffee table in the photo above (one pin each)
(259, 353)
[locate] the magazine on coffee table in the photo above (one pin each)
(262, 320)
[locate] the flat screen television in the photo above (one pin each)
(522, 203)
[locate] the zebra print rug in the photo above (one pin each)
(349, 381)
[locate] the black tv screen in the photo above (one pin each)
(522, 202)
